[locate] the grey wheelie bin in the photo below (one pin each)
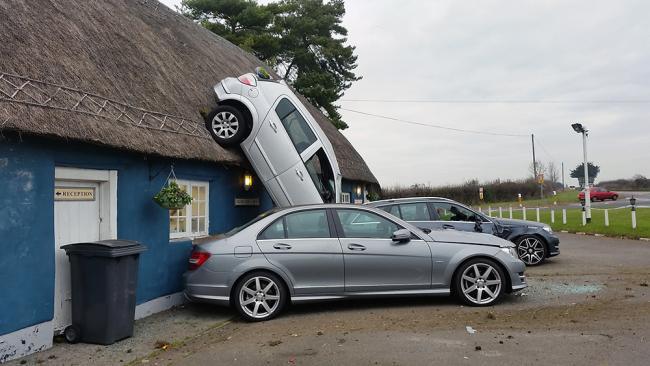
(104, 277)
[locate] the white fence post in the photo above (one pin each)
(564, 216)
(500, 212)
(584, 218)
(479, 209)
(490, 211)
(552, 216)
(606, 217)
(510, 209)
(537, 212)
(523, 210)
(634, 219)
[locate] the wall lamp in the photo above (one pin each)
(248, 181)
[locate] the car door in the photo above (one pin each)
(304, 245)
(373, 261)
(271, 152)
(450, 215)
(298, 187)
(311, 179)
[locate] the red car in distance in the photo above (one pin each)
(599, 193)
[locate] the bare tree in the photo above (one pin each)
(553, 173)
(540, 168)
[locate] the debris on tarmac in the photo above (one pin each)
(470, 330)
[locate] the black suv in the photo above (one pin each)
(535, 241)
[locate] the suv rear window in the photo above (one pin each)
(296, 126)
(415, 211)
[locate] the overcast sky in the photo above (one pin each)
(583, 52)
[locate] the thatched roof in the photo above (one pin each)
(113, 72)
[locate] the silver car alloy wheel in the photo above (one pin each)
(225, 124)
(531, 251)
(481, 283)
(259, 297)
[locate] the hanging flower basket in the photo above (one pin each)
(171, 196)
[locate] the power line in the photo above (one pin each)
(497, 101)
(545, 151)
(435, 125)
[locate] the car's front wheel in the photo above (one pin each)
(227, 125)
(531, 250)
(480, 282)
(260, 296)
(614, 197)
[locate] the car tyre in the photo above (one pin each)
(227, 125)
(614, 197)
(260, 296)
(72, 334)
(479, 282)
(531, 250)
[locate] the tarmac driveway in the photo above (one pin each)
(590, 305)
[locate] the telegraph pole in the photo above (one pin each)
(535, 177)
(563, 185)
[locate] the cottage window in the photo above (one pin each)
(192, 220)
(345, 197)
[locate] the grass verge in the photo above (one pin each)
(620, 221)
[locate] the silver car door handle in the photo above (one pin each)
(300, 174)
(282, 246)
(354, 246)
(447, 226)
(274, 126)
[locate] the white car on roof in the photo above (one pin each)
(285, 145)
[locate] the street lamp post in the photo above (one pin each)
(579, 128)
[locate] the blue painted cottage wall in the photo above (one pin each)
(26, 236)
(351, 188)
(27, 219)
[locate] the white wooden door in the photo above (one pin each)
(74, 221)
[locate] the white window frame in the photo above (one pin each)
(188, 211)
(345, 197)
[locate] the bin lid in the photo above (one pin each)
(105, 248)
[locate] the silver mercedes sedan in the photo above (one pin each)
(334, 251)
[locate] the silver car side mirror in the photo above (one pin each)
(402, 236)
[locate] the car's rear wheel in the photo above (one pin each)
(227, 125)
(531, 250)
(480, 282)
(260, 296)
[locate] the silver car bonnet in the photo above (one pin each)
(467, 237)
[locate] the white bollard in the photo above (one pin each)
(490, 211)
(584, 218)
(523, 210)
(634, 219)
(500, 212)
(510, 209)
(537, 212)
(564, 216)
(479, 209)
(552, 216)
(606, 217)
